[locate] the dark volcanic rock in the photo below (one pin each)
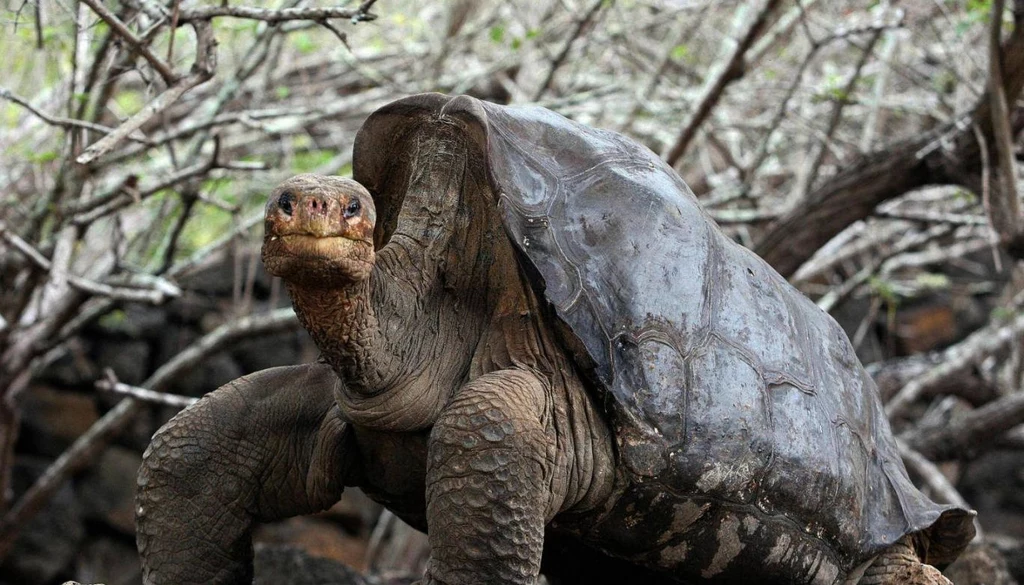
(107, 491)
(317, 537)
(217, 274)
(48, 543)
(129, 358)
(994, 485)
(210, 374)
(73, 368)
(1012, 550)
(132, 322)
(980, 564)
(260, 353)
(52, 419)
(110, 562)
(276, 565)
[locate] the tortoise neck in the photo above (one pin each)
(344, 326)
(381, 337)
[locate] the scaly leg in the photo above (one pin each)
(263, 447)
(900, 565)
(489, 483)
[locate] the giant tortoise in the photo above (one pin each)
(539, 349)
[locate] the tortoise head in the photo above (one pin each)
(318, 231)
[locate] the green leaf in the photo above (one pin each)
(43, 157)
(932, 280)
(680, 51)
(304, 42)
(497, 33)
(113, 320)
(1003, 313)
(311, 160)
(885, 290)
(129, 101)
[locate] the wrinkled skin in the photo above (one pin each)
(444, 393)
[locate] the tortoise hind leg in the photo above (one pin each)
(900, 565)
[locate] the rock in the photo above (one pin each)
(190, 307)
(176, 337)
(355, 512)
(109, 561)
(316, 537)
(129, 358)
(994, 485)
(1012, 550)
(275, 565)
(210, 374)
(980, 564)
(924, 327)
(49, 541)
(135, 321)
(260, 353)
(73, 368)
(52, 419)
(107, 490)
(217, 273)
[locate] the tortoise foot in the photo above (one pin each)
(920, 574)
(915, 573)
(900, 565)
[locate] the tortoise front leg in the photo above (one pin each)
(900, 565)
(489, 483)
(263, 447)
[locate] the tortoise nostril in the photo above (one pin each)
(285, 202)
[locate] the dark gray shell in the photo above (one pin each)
(736, 402)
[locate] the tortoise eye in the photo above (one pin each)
(285, 202)
(352, 209)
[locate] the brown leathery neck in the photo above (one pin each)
(344, 325)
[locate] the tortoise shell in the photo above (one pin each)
(735, 401)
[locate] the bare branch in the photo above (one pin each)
(949, 155)
(272, 16)
(975, 347)
(1004, 211)
(143, 394)
(155, 296)
(577, 31)
(1013, 439)
(202, 70)
(730, 70)
(137, 44)
(820, 148)
(108, 203)
(932, 217)
(840, 293)
(60, 121)
(969, 434)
